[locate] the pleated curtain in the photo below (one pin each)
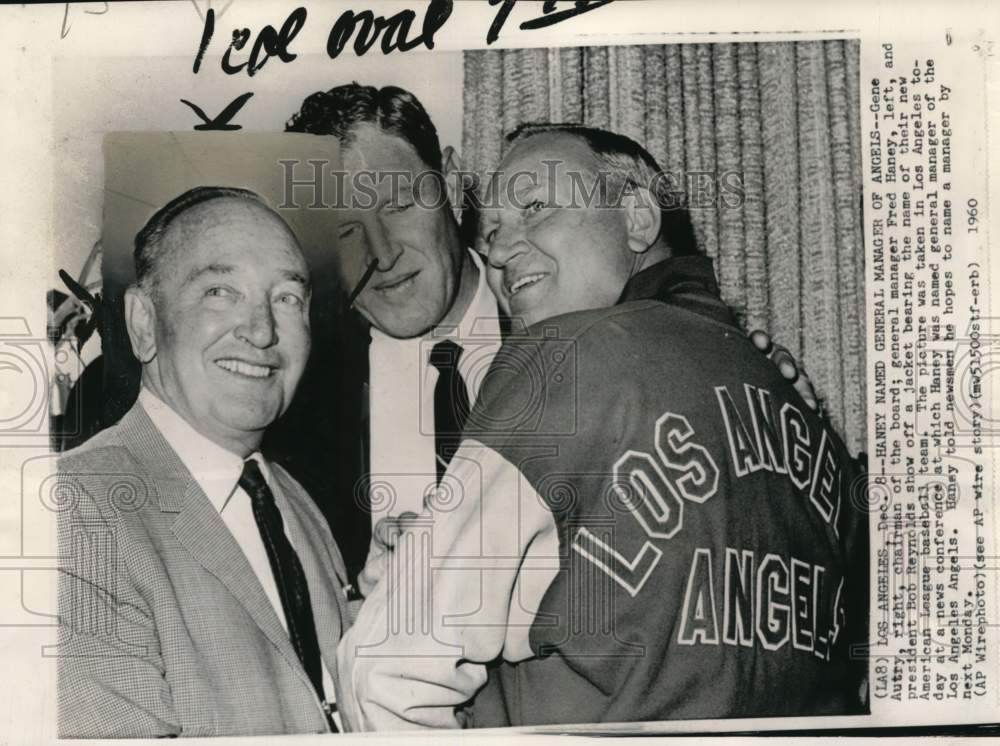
(782, 115)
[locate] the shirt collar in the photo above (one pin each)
(481, 318)
(216, 470)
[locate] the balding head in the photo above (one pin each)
(214, 204)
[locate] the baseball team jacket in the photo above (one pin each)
(644, 521)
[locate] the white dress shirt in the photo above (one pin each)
(401, 400)
(217, 471)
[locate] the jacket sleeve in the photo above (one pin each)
(440, 612)
(110, 673)
(464, 588)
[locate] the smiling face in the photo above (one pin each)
(228, 322)
(403, 222)
(549, 253)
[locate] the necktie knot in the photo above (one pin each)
(253, 483)
(445, 356)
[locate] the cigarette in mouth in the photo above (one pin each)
(361, 284)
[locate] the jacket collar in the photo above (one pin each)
(215, 469)
(685, 281)
(171, 481)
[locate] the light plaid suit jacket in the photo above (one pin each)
(164, 628)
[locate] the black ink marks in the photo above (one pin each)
(549, 15)
(549, 18)
(240, 38)
(394, 31)
(206, 37)
(272, 43)
(222, 121)
(501, 18)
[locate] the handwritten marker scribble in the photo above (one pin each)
(222, 121)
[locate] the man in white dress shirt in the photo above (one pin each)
(201, 593)
(427, 289)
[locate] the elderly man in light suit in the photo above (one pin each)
(201, 592)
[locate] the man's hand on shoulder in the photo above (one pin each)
(786, 364)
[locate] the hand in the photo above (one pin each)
(786, 364)
(385, 536)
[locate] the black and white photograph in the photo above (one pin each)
(403, 383)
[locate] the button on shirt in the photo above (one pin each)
(217, 471)
(402, 380)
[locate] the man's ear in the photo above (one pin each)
(451, 165)
(140, 320)
(642, 219)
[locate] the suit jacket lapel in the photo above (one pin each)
(203, 533)
(366, 409)
(365, 434)
(361, 516)
(326, 578)
(200, 528)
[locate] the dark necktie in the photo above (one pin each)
(288, 575)
(451, 402)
